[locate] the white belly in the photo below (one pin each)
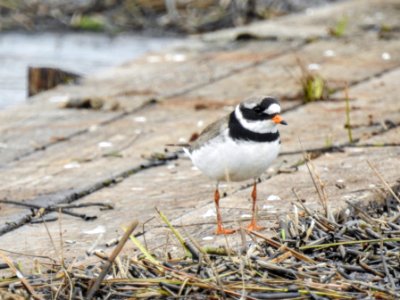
(223, 159)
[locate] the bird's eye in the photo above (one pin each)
(258, 109)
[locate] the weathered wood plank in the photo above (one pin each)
(281, 77)
(185, 195)
(182, 69)
(24, 131)
(374, 107)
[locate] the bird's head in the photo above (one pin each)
(260, 114)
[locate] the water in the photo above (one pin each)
(82, 53)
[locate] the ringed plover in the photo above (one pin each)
(239, 147)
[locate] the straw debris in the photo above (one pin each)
(319, 258)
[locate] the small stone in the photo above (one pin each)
(273, 198)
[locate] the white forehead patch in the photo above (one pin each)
(273, 109)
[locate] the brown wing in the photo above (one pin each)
(210, 132)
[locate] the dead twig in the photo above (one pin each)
(278, 245)
(320, 188)
(383, 181)
(111, 259)
(348, 109)
(20, 276)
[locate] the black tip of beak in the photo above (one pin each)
(283, 122)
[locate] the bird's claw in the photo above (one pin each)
(254, 227)
(221, 230)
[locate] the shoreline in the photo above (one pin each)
(150, 17)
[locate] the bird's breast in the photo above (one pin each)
(225, 159)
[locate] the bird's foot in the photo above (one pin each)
(254, 227)
(221, 230)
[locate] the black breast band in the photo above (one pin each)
(238, 132)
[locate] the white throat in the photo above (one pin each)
(264, 126)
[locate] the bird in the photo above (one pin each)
(239, 147)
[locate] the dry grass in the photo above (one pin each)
(341, 258)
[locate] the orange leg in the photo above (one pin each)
(253, 224)
(220, 229)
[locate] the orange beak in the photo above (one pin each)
(279, 120)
